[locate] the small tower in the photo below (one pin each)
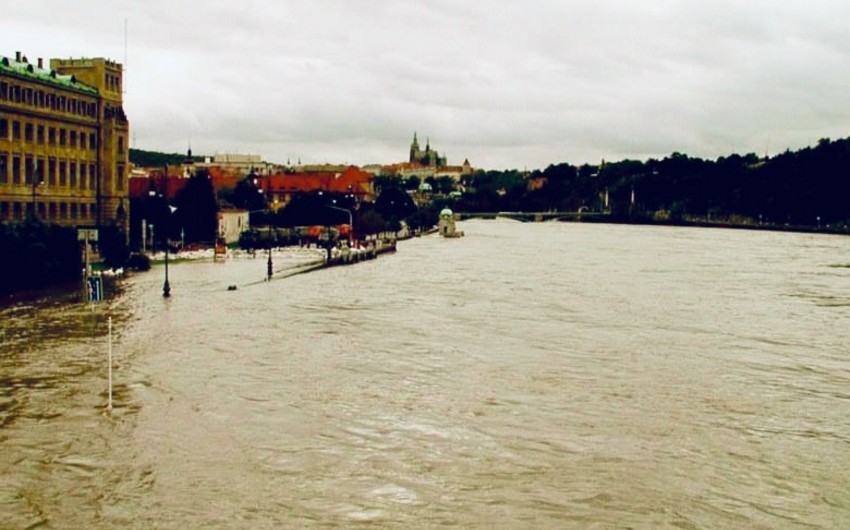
(447, 224)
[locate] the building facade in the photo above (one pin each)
(236, 164)
(231, 223)
(64, 141)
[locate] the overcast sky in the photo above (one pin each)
(506, 84)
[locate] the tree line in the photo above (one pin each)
(142, 158)
(808, 187)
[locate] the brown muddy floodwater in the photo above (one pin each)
(525, 376)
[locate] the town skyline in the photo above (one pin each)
(505, 87)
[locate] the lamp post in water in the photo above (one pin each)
(166, 287)
(269, 268)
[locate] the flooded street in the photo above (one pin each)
(544, 375)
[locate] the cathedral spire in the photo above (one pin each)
(414, 149)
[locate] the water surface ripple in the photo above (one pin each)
(526, 376)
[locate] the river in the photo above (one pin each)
(542, 375)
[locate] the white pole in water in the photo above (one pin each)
(109, 406)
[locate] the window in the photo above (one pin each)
(4, 128)
(63, 210)
(84, 211)
(4, 91)
(39, 134)
(72, 174)
(28, 132)
(16, 130)
(40, 175)
(4, 168)
(120, 145)
(73, 138)
(92, 177)
(62, 137)
(29, 169)
(51, 136)
(83, 176)
(73, 210)
(119, 176)
(63, 177)
(51, 171)
(16, 170)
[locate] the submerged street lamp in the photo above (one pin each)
(166, 287)
(269, 270)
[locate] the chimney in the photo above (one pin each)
(40, 63)
(17, 57)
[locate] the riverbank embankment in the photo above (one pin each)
(833, 229)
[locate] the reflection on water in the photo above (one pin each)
(528, 375)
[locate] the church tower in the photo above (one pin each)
(428, 157)
(414, 149)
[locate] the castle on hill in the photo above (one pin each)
(427, 157)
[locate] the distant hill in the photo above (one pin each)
(142, 158)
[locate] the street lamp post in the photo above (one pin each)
(350, 223)
(269, 269)
(166, 286)
(36, 182)
(256, 181)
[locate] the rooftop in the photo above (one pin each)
(24, 68)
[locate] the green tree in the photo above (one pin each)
(112, 243)
(445, 185)
(412, 183)
(197, 211)
(248, 195)
(422, 218)
(45, 255)
(368, 222)
(395, 203)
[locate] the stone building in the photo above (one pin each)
(428, 157)
(63, 141)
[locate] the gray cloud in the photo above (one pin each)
(508, 84)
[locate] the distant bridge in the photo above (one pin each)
(535, 216)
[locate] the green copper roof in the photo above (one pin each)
(41, 74)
